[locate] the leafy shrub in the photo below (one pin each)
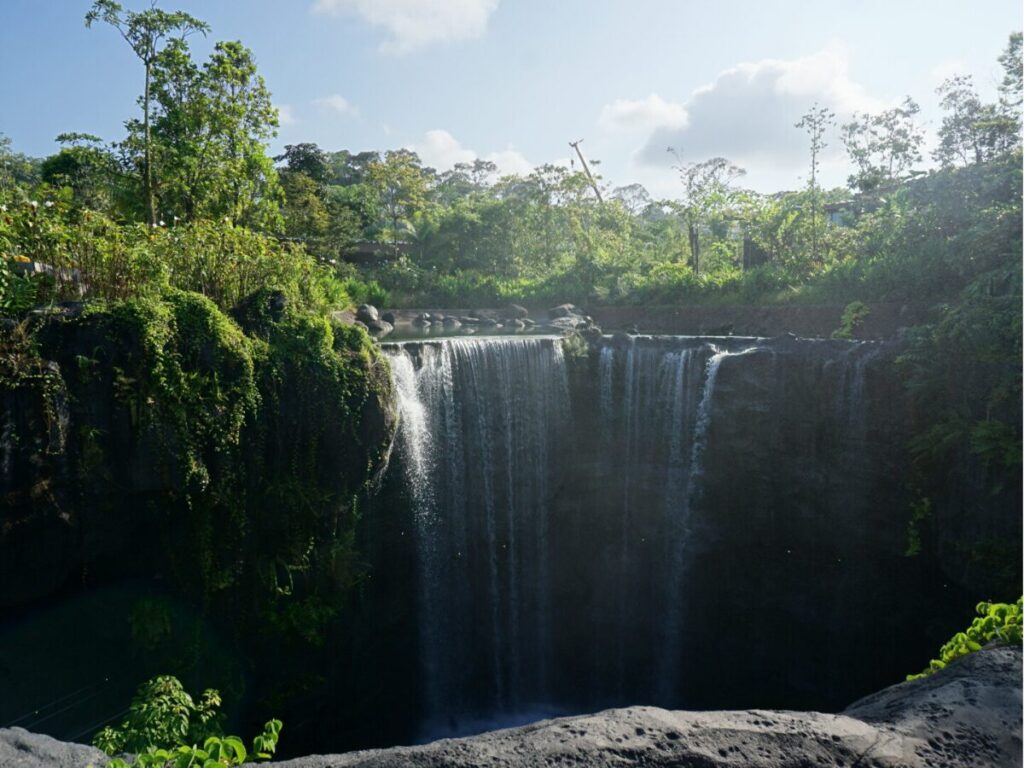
(854, 315)
(165, 725)
(366, 292)
(91, 256)
(996, 622)
(162, 715)
(216, 751)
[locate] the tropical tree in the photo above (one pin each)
(86, 167)
(971, 132)
(16, 169)
(401, 184)
(1011, 89)
(706, 189)
(884, 147)
(146, 33)
(210, 128)
(306, 158)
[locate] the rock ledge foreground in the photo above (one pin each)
(968, 714)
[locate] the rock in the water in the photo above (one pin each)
(567, 323)
(515, 311)
(379, 328)
(469, 320)
(564, 310)
(388, 317)
(488, 322)
(367, 313)
(451, 322)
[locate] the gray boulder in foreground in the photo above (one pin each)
(21, 749)
(968, 714)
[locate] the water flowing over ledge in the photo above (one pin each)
(560, 501)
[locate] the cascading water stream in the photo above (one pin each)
(553, 534)
(480, 425)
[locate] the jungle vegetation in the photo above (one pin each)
(185, 237)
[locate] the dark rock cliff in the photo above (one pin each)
(204, 478)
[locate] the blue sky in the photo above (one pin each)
(515, 80)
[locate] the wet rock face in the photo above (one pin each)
(801, 526)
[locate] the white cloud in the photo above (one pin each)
(413, 24)
(285, 115)
(748, 113)
(335, 103)
(441, 151)
(510, 162)
(946, 69)
(642, 114)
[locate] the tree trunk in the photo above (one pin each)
(150, 198)
(814, 225)
(694, 248)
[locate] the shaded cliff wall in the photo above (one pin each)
(200, 472)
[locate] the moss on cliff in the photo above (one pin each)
(226, 461)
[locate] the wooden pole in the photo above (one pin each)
(586, 169)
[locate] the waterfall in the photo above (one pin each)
(700, 432)
(657, 447)
(555, 535)
(481, 422)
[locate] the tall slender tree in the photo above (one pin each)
(706, 188)
(816, 122)
(884, 147)
(146, 32)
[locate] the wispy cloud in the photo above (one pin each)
(642, 114)
(748, 112)
(947, 69)
(412, 24)
(335, 103)
(440, 150)
(285, 115)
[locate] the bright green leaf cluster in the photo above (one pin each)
(996, 622)
(165, 727)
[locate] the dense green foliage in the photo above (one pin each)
(996, 622)
(165, 726)
(469, 237)
(195, 358)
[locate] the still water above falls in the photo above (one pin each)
(579, 518)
